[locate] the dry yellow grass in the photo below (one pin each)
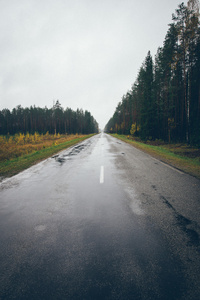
(20, 144)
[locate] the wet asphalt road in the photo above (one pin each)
(102, 220)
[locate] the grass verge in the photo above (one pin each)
(185, 160)
(15, 165)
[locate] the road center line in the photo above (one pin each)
(102, 174)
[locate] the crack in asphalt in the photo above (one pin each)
(184, 223)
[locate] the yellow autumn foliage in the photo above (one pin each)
(20, 144)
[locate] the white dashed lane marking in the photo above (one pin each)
(102, 174)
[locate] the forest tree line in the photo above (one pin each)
(54, 120)
(164, 101)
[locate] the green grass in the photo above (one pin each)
(13, 166)
(168, 154)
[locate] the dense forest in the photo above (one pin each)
(164, 101)
(42, 120)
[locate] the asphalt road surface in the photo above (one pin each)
(101, 220)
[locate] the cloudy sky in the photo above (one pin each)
(86, 53)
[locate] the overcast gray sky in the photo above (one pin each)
(86, 53)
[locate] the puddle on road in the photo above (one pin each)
(74, 151)
(61, 160)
